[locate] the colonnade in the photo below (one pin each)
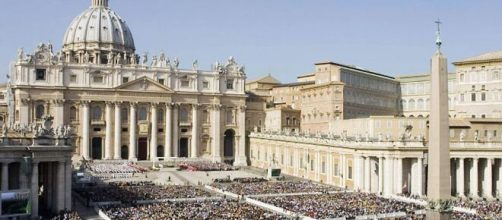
(477, 177)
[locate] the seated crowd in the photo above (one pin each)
(65, 215)
(216, 209)
(264, 187)
(241, 180)
(485, 209)
(113, 168)
(204, 166)
(340, 204)
(129, 192)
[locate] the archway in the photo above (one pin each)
(142, 148)
(228, 144)
(124, 152)
(97, 148)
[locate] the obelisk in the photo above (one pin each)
(438, 188)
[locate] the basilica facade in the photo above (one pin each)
(125, 106)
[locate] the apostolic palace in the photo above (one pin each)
(97, 99)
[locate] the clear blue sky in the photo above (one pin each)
(281, 37)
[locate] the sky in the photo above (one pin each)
(279, 37)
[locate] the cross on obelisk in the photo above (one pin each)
(439, 150)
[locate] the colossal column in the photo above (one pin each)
(5, 176)
(439, 188)
(420, 179)
(169, 131)
(34, 190)
(195, 131)
(59, 112)
(109, 131)
(153, 141)
(176, 129)
(118, 132)
(85, 129)
(241, 159)
(487, 186)
(380, 175)
(132, 133)
(367, 174)
(60, 188)
(473, 180)
(216, 133)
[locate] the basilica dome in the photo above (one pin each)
(98, 31)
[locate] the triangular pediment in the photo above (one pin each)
(144, 84)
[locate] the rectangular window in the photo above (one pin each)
(291, 160)
(350, 173)
(97, 79)
(73, 78)
(125, 79)
(40, 74)
(312, 165)
(335, 170)
(125, 130)
(473, 97)
(161, 81)
(323, 167)
(486, 133)
(494, 133)
(230, 84)
(483, 96)
(205, 85)
(185, 83)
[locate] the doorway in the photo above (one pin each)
(97, 148)
(142, 148)
(183, 147)
(228, 144)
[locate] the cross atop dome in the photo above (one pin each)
(99, 3)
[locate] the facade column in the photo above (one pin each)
(34, 191)
(474, 178)
(132, 133)
(176, 129)
(85, 129)
(343, 170)
(367, 174)
(194, 151)
(59, 112)
(154, 131)
(168, 131)
(118, 132)
(240, 159)
(60, 188)
(109, 131)
(499, 187)
(216, 125)
(68, 179)
(329, 169)
(487, 188)
(5, 176)
(380, 175)
(358, 172)
(460, 177)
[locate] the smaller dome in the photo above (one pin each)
(98, 29)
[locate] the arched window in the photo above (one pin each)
(73, 114)
(405, 104)
(142, 114)
(97, 113)
(411, 105)
(39, 111)
(420, 104)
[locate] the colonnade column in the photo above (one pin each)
(118, 132)
(487, 188)
(168, 131)
(60, 188)
(240, 159)
(367, 174)
(85, 129)
(216, 125)
(399, 175)
(499, 193)
(5, 176)
(68, 179)
(153, 138)
(329, 169)
(109, 131)
(460, 177)
(380, 175)
(420, 179)
(474, 178)
(389, 176)
(132, 133)
(176, 129)
(34, 190)
(195, 131)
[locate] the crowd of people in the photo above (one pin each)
(209, 209)
(240, 180)
(273, 187)
(65, 215)
(127, 192)
(204, 166)
(485, 209)
(113, 168)
(340, 204)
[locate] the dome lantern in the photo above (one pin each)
(99, 3)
